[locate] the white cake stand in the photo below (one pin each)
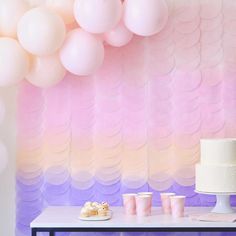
(222, 202)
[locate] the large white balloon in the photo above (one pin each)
(145, 17)
(3, 157)
(10, 13)
(14, 62)
(98, 16)
(46, 71)
(41, 31)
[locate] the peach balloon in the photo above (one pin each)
(145, 17)
(41, 31)
(97, 16)
(64, 8)
(10, 13)
(82, 53)
(46, 71)
(14, 62)
(119, 36)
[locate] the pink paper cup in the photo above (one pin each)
(177, 206)
(143, 204)
(129, 203)
(166, 204)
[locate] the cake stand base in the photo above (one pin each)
(222, 204)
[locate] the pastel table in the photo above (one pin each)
(66, 219)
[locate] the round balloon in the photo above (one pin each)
(14, 62)
(119, 36)
(145, 17)
(46, 71)
(3, 157)
(41, 31)
(82, 53)
(97, 16)
(64, 8)
(10, 13)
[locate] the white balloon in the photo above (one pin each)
(64, 8)
(14, 62)
(46, 71)
(41, 31)
(3, 157)
(10, 13)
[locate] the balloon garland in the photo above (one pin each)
(41, 39)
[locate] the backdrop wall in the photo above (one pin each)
(136, 124)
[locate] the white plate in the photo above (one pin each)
(97, 218)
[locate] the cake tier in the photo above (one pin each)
(218, 151)
(215, 178)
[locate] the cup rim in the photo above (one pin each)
(178, 197)
(129, 194)
(143, 196)
(145, 193)
(168, 194)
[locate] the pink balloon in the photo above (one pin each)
(119, 36)
(41, 31)
(3, 157)
(145, 17)
(82, 53)
(46, 71)
(97, 16)
(14, 62)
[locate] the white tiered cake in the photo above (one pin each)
(216, 172)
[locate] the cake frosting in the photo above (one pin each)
(216, 171)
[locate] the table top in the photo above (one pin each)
(68, 217)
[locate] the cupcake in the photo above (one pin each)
(88, 204)
(84, 212)
(93, 211)
(102, 211)
(105, 205)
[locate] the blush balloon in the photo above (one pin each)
(64, 8)
(119, 36)
(14, 62)
(97, 16)
(10, 13)
(82, 53)
(41, 31)
(145, 17)
(3, 157)
(46, 71)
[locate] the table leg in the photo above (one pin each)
(33, 232)
(52, 233)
